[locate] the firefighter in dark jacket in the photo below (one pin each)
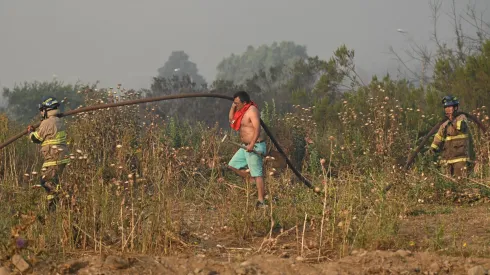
(51, 135)
(452, 140)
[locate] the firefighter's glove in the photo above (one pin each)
(30, 129)
(433, 154)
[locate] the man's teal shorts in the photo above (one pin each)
(243, 159)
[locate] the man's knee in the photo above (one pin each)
(232, 168)
(50, 178)
(240, 172)
(49, 186)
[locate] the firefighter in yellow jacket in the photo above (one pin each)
(453, 140)
(51, 135)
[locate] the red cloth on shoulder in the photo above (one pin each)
(237, 117)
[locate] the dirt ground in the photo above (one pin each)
(361, 262)
(425, 229)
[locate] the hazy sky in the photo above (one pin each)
(122, 41)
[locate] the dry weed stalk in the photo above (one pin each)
(269, 244)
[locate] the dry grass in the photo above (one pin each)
(142, 183)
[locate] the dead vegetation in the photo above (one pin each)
(144, 184)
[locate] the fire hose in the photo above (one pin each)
(162, 98)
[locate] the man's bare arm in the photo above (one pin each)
(232, 112)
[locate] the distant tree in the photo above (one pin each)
(469, 79)
(178, 65)
(239, 68)
(23, 99)
(172, 85)
(205, 110)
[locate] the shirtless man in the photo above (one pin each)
(244, 117)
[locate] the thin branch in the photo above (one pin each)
(476, 26)
(470, 11)
(458, 31)
(435, 7)
(401, 61)
(353, 69)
